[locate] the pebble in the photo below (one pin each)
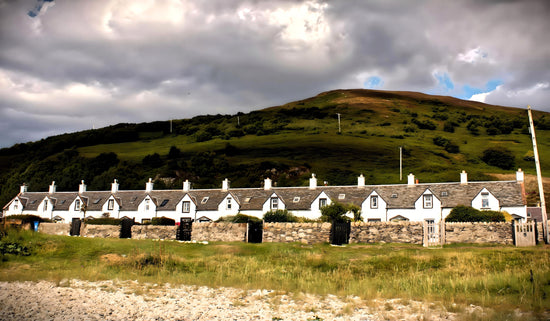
(130, 300)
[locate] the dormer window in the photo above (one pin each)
(444, 193)
(111, 205)
(15, 204)
(374, 201)
(186, 207)
(45, 205)
(205, 199)
(428, 201)
(274, 203)
(146, 204)
(485, 200)
(341, 196)
(322, 202)
(77, 205)
(228, 203)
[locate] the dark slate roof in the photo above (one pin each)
(509, 193)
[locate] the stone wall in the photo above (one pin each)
(500, 233)
(308, 233)
(154, 232)
(105, 231)
(386, 232)
(55, 228)
(224, 232)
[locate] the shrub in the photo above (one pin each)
(449, 127)
(279, 216)
(334, 212)
(103, 221)
(499, 157)
(164, 221)
(239, 218)
(26, 218)
(463, 213)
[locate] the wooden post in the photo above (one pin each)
(539, 177)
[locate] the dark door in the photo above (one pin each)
(255, 231)
(339, 233)
(126, 228)
(75, 227)
(183, 233)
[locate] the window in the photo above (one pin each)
(97, 200)
(374, 201)
(393, 195)
(428, 201)
(444, 194)
(77, 205)
(247, 200)
(341, 196)
(134, 199)
(322, 202)
(204, 200)
(45, 205)
(484, 200)
(146, 204)
(62, 202)
(296, 199)
(33, 201)
(229, 203)
(274, 203)
(111, 205)
(15, 204)
(164, 202)
(186, 207)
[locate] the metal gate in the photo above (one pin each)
(434, 233)
(524, 234)
(183, 233)
(126, 228)
(75, 227)
(339, 233)
(255, 231)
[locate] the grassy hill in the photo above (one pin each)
(440, 137)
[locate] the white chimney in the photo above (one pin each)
(312, 182)
(463, 178)
(225, 185)
(52, 188)
(23, 188)
(410, 179)
(149, 185)
(114, 186)
(186, 186)
(520, 176)
(361, 181)
(81, 187)
(267, 184)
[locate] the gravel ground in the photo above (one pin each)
(129, 300)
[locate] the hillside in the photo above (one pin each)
(440, 137)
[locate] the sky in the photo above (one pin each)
(69, 65)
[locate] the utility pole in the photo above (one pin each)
(238, 121)
(339, 128)
(400, 163)
(539, 176)
(170, 125)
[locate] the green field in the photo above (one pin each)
(502, 278)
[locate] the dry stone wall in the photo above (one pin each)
(308, 233)
(224, 232)
(55, 228)
(386, 232)
(500, 233)
(105, 231)
(154, 232)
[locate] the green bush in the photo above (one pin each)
(239, 218)
(334, 212)
(499, 157)
(103, 221)
(463, 213)
(26, 218)
(279, 216)
(164, 221)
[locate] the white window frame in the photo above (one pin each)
(428, 201)
(485, 200)
(374, 201)
(186, 207)
(45, 205)
(77, 205)
(111, 204)
(15, 204)
(228, 202)
(274, 203)
(146, 204)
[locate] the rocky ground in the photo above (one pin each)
(128, 300)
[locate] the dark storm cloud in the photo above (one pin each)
(78, 64)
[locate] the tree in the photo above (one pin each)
(335, 212)
(499, 157)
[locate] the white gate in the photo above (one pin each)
(524, 234)
(434, 233)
